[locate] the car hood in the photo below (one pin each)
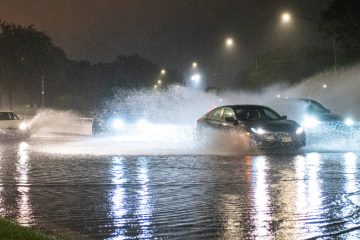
(329, 117)
(275, 125)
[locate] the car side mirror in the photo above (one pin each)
(231, 120)
(284, 117)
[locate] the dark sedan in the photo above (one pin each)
(261, 126)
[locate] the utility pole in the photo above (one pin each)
(334, 51)
(42, 91)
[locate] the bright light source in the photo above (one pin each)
(196, 78)
(163, 71)
(117, 124)
(324, 86)
(220, 100)
(278, 96)
(286, 17)
(194, 65)
(349, 122)
(259, 131)
(177, 86)
(229, 42)
(159, 81)
(299, 130)
(23, 126)
(310, 122)
(155, 86)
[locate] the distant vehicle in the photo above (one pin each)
(310, 114)
(260, 126)
(12, 125)
(115, 122)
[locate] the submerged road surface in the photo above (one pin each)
(311, 195)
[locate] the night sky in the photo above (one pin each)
(172, 33)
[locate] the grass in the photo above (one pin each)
(12, 231)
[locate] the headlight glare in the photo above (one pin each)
(117, 124)
(349, 122)
(259, 131)
(310, 122)
(299, 130)
(23, 126)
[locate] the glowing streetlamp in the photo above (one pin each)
(159, 81)
(324, 86)
(194, 65)
(229, 42)
(155, 86)
(163, 72)
(285, 17)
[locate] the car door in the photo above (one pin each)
(214, 120)
(227, 113)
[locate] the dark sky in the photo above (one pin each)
(172, 33)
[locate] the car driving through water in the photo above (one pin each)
(260, 126)
(12, 126)
(117, 122)
(313, 115)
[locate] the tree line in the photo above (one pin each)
(28, 56)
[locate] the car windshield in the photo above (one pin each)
(256, 114)
(316, 107)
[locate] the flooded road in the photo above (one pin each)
(310, 195)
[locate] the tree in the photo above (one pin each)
(341, 22)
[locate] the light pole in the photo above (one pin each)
(42, 91)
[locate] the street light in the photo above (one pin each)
(155, 86)
(163, 72)
(159, 81)
(194, 65)
(229, 42)
(285, 17)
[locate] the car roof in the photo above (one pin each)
(249, 106)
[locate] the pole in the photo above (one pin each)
(334, 51)
(42, 91)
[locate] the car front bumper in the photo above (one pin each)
(278, 140)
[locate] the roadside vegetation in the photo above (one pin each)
(12, 231)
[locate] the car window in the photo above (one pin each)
(216, 114)
(228, 112)
(14, 116)
(256, 114)
(5, 116)
(316, 107)
(271, 115)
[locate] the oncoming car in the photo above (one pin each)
(11, 125)
(261, 126)
(116, 122)
(313, 115)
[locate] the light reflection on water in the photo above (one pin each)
(25, 211)
(261, 197)
(195, 197)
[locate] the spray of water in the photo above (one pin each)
(168, 118)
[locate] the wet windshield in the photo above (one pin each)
(256, 114)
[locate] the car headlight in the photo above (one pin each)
(23, 126)
(259, 131)
(349, 122)
(117, 124)
(310, 122)
(299, 130)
